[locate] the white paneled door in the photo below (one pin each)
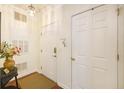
(94, 48)
(49, 51)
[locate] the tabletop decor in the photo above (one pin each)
(7, 51)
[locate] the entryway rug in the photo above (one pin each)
(35, 81)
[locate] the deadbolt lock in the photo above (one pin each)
(55, 50)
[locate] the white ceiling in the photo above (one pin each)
(38, 7)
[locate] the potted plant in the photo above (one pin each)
(7, 51)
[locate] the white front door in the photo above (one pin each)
(94, 48)
(49, 51)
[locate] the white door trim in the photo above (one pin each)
(120, 46)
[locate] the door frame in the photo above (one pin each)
(118, 44)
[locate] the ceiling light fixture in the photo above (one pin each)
(31, 10)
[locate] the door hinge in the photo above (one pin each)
(118, 11)
(41, 50)
(117, 57)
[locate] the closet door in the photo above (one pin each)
(49, 51)
(94, 48)
(49, 43)
(81, 29)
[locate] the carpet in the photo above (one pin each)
(35, 81)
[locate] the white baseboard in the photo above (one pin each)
(63, 85)
(60, 84)
(39, 71)
(24, 73)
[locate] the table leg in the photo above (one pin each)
(16, 81)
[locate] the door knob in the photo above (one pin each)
(73, 59)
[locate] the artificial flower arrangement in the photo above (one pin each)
(7, 51)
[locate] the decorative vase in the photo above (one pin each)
(9, 63)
